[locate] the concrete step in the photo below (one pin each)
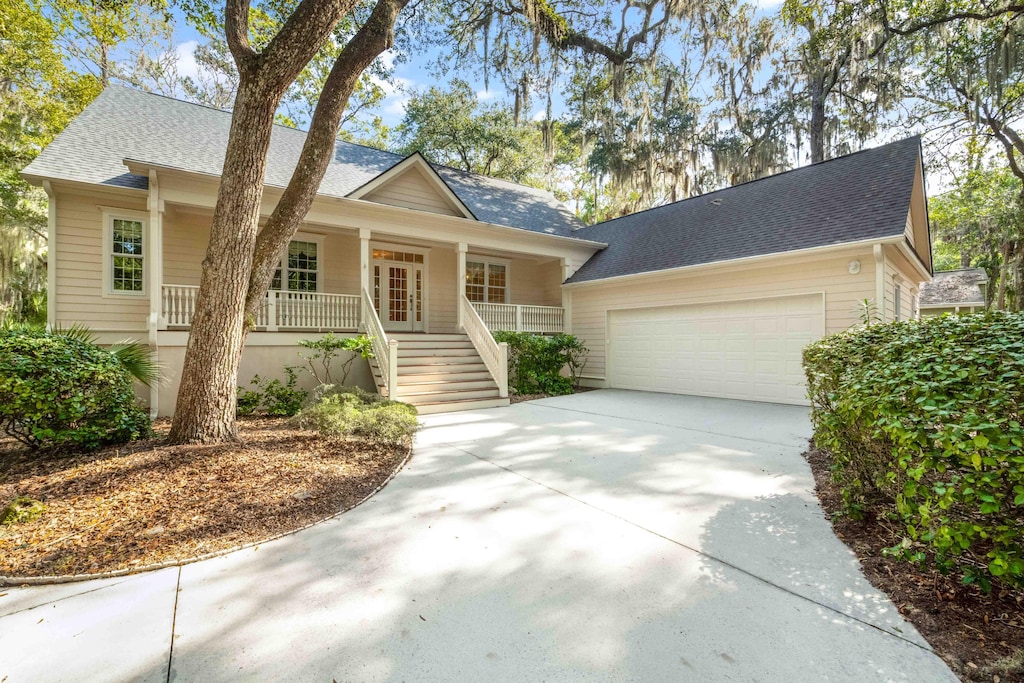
(445, 396)
(405, 363)
(419, 336)
(432, 344)
(453, 406)
(435, 351)
(406, 387)
(444, 374)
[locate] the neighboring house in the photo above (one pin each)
(955, 291)
(715, 295)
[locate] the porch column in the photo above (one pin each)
(153, 258)
(460, 283)
(364, 258)
(566, 297)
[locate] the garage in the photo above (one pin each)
(746, 350)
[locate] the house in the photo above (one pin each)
(715, 295)
(955, 291)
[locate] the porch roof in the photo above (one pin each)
(123, 123)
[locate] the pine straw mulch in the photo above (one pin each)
(980, 636)
(146, 502)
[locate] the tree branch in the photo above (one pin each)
(372, 39)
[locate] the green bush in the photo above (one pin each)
(923, 420)
(535, 362)
(352, 412)
(60, 389)
(325, 351)
(272, 397)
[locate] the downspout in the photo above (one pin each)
(879, 280)
(51, 256)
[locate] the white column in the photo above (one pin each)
(567, 272)
(51, 256)
(364, 259)
(153, 262)
(460, 282)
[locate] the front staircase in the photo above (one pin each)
(440, 373)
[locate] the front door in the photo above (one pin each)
(398, 293)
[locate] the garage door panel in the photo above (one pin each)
(746, 350)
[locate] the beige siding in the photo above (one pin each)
(412, 190)
(898, 269)
(534, 283)
(909, 230)
(80, 295)
(441, 294)
(186, 236)
(828, 273)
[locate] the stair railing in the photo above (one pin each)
(384, 350)
(494, 355)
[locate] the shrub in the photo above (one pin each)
(60, 389)
(923, 418)
(352, 412)
(325, 352)
(535, 362)
(272, 397)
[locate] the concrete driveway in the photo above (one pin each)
(608, 536)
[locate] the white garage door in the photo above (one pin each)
(741, 349)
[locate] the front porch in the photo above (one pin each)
(324, 312)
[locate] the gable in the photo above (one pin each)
(413, 190)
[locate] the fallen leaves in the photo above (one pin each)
(148, 502)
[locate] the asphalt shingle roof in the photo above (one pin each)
(123, 123)
(862, 196)
(955, 288)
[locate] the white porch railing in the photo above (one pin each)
(521, 318)
(493, 354)
(280, 311)
(385, 350)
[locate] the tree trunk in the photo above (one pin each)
(817, 125)
(205, 409)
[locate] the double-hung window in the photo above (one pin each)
(124, 253)
(300, 268)
(486, 281)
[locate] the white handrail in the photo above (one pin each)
(385, 350)
(278, 311)
(521, 317)
(494, 355)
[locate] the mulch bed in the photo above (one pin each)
(147, 502)
(980, 636)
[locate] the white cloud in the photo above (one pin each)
(768, 4)
(484, 95)
(186, 59)
(539, 115)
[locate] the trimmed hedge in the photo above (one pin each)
(59, 389)
(923, 421)
(351, 412)
(535, 362)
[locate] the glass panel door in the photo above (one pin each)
(399, 293)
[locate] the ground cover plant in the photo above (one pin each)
(338, 411)
(535, 362)
(922, 423)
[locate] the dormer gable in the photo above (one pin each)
(414, 184)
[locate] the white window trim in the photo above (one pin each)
(109, 215)
(897, 301)
(283, 262)
(487, 261)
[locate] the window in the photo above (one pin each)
(124, 242)
(896, 298)
(300, 268)
(487, 282)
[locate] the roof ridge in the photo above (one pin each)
(915, 136)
